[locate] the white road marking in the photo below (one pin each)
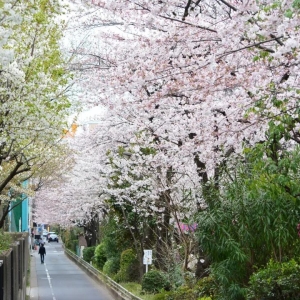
(50, 284)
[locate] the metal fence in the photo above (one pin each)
(115, 287)
(13, 268)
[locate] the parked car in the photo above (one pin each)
(50, 232)
(53, 238)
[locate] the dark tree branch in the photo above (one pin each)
(277, 39)
(249, 46)
(186, 10)
(228, 4)
(197, 26)
(12, 174)
(5, 213)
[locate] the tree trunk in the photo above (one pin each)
(163, 238)
(91, 231)
(3, 214)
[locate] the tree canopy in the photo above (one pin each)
(33, 85)
(200, 124)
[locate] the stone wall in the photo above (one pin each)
(14, 264)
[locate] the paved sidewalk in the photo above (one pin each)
(33, 289)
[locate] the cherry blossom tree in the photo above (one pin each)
(33, 85)
(163, 69)
(194, 81)
(75, 196)
(188, 85)
(201, 79)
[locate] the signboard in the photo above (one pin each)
(147, 259)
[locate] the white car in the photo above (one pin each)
(53, 238)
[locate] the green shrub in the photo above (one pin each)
(154, 281)
(276, 281)
(67, 240)
(65, 236)
(100, 256)
(175, 275)
(189, 279)
(70, 238)
(204, 289)
(183, 292)
(5, 241)
(111, 266)
(163, 295)
(88, 253)
(71, 245)
(128, 267)
(74, 245)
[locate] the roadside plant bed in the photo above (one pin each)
(136, 289)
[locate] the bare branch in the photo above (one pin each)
(186, 10)
(228, 4)
(197, 26)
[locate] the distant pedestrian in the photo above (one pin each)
(42, 253)
(41, 241)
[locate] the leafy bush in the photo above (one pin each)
(100, 256)
(65, 236)
(206, 287)
(111, 266)
(239, 224)
(88, 253)
(115, 238)
(5, 241)
(128, 267)
(276, 281)
(175, 275)
(70, 238)
(183, 292)
(154, 281)
(178, 295)
(163, 295)
(71, 245)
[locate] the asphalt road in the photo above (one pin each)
(59, 278)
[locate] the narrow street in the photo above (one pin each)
(59, 278)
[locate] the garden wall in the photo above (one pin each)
(13, 268)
